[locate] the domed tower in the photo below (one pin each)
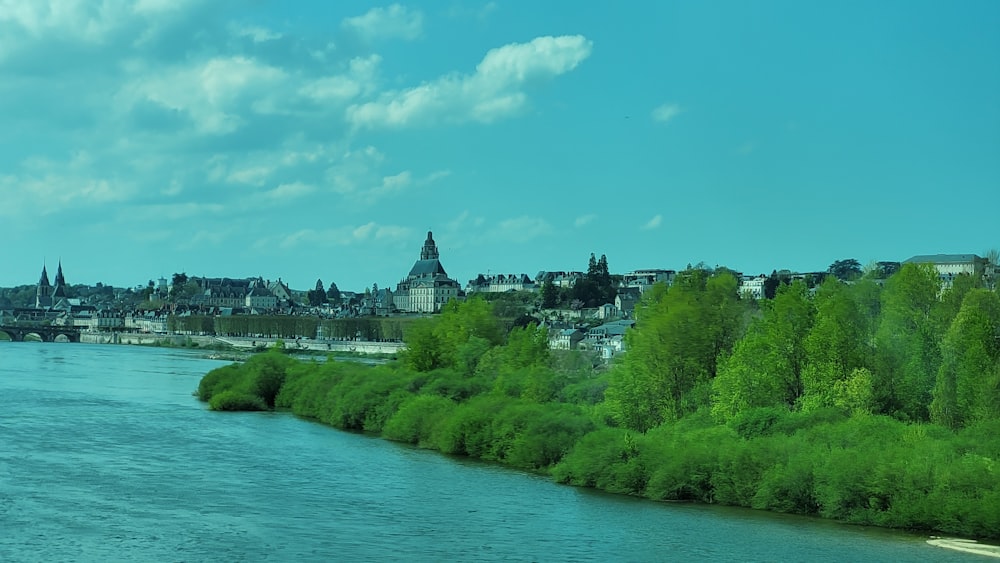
(43, 293)
(430, 250)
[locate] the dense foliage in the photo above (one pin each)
(868, 403)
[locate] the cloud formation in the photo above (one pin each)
(169, 117)
(494, 91)
(653, 223)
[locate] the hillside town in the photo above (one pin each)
(582, 310)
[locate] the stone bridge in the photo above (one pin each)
(46, 333)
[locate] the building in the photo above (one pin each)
(608, 340)
(566, 339)
(626, 300)
(645, 279)
(500, 283)
(260, 298)
(752, 287)
(43, 292)
(558, 279)
(427, 287)
(949, 266)
(235, 293)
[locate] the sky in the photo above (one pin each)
(316, 139)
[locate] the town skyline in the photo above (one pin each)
(462, 280)
(322, 140)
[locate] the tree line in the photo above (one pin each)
(865, 402)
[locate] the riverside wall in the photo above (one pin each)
(181, 340)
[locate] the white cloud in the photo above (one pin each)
(385, 23)
(584, 220)
(653, 223)
(360, 79)
(396, 182)
(215, 94)
(666, 112)
(494, 91)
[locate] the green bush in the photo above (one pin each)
(220, 379)
(236, 401)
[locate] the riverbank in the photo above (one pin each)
(868, 470)
(966, 546)
(81, 482)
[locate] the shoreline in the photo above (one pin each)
(966, 546)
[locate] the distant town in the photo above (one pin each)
(582, 309)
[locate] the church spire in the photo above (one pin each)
(60, 280)
(430, 250)
(43, 293)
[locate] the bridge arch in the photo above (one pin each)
(43, 333)
(5, 336)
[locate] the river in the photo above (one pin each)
(106, 455)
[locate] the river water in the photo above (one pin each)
(106, 455)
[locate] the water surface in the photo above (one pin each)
(106, 455)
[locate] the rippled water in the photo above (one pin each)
(105, 455)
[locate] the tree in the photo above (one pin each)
(317, 296)
(333, 294)
(456, 339)
(680, 333)
(596, 287)
(837, 344)
(771, 285)
(907, 352)
(550, 295)
(845, 270)
(765, 368)
(179, 280)
(992, 268)
(967, 389)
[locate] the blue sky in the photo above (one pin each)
(308, 140)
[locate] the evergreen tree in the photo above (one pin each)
(550, 295)
(317, 296)
(333, 294)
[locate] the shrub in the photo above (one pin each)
(236, 401)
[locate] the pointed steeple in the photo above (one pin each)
(60, 280)
(43, 293)
(59, 288)
(430, 251)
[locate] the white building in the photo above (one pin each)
(950, 265)
(500, 283)
(752, 286)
